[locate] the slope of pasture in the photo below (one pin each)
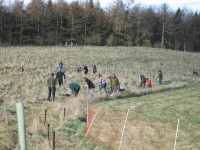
(152, 120)
(127, 62)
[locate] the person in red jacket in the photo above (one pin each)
(148, 82)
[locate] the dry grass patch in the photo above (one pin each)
(139, 134)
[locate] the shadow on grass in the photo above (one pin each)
(82, 119)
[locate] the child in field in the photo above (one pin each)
(148, 82)
(60, 65)
(160, 77)
(102, 83)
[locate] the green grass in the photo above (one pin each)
(166, 106)
(75, 129)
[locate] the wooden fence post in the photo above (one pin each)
(53, 140)
(45, 116)
(48, 132)
(6, 116)
(64, 114)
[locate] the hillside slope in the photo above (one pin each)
(127, 63)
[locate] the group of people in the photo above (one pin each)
(51, 83)
(147, 82)
(75, 88)
(85, 69)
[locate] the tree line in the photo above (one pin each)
(87, 23)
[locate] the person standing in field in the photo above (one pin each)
(85, 68)
(78, 69)
(102, 83)
(60, 65)
(143, 80)
(90, 88)
(75, 88)
(115, 85)
(51, 83)
(160, 77)
(94, 69)
(59, 76)
(111, 89)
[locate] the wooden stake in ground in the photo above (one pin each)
(48, 132)
(53, 140)
(64, 114)
(123, 130)
(6, 116)
(45, 116)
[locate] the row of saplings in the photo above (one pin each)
(75, 88)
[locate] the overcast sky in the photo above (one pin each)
(174, 4)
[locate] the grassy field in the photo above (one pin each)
(152, 119)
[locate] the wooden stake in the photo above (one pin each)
(48, 132)
(64, 114)
(53, 140)
(6, 116)
(45, 116)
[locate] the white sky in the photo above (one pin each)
(174, 4)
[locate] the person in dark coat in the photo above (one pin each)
(51, 83)
(85, 68)
(59, 76)
(94, 68)
(78, 69)
(90, 88)
(143, 80)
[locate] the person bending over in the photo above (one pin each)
(75, 88)
(143, 80)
